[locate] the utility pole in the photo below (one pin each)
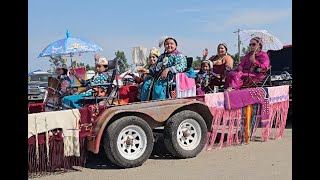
(238, 31)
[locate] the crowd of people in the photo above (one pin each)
(215, 71)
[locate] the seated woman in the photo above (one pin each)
(169, 63)
(203, 77)
(222, 64)
(54, 99)
(144, 80)
(253, 64)
(65, 81)
(74, 101)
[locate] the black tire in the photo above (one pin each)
(114, 130)
(177, 147)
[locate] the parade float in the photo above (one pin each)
(123, 128)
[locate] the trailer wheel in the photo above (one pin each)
(185, 134)
(128, 141)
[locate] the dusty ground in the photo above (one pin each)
(257, 160)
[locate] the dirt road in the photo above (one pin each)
(257, 160)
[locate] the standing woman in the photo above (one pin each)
(169, 63)
(253, 64)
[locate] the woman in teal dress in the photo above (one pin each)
(169, 63)
(74, 101)
(147, 79)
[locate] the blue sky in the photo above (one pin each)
(121, 25)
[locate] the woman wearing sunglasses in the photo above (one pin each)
(254, 64)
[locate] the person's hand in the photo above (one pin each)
(218, 76)
(138, 68)
(143, 71)
(205, 52)
(164, 73)
(146, 71)
(253, 58)
(198, 85)
(129, 74)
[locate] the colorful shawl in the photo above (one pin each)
(241, 98)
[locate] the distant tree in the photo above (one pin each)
(246, 50)
(88, 67)
(197, 62)
(130, 66)
(122, 61)
(235, 59)
(55, 60)
(73, 64)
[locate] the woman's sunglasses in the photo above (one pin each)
(252, 44)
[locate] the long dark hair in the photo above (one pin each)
(106, 67)
(224, 45)
(65, 71)
(175, 41)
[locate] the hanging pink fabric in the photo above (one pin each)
(185, 82)
(230, 121)
(279, 105)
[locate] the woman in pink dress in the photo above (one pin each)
(253, 64)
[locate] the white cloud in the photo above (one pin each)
(256, 16)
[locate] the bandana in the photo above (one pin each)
(154, 51)
(102, 61)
